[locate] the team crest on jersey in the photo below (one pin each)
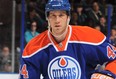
(64, 67)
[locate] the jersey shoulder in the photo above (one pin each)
(87, 34)
(37, 43)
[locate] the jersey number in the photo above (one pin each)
(24, 71)
(110, 53)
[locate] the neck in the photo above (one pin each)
(61, 37)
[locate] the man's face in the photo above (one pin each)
(58, 21)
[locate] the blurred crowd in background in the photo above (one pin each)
(92, 13)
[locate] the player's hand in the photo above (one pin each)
(103, 75)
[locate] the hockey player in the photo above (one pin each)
(64, 51)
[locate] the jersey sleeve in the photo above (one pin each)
(30, 63)
(28, 70)
(108, 51)
(33, 61)
(98, 54)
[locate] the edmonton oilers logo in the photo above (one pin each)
(64, 67)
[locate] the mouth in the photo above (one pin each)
(57, 26)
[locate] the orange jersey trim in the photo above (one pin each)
(86, 35)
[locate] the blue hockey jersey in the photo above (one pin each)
(73, 58)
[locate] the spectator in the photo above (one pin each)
(103, 25)
(81, 16)
(5, 60)
(95, 13)
(113, 36)
(33, 15)
(74, 19)
(31, 5)
(103, 6)
(32, 32)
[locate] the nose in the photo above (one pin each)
(57, 20)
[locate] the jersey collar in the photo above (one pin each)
(63, 45)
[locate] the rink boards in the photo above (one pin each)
(9, 76)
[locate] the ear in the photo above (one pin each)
(68, 18)
(47, 18)
(48, 23)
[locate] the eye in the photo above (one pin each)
(61, 15)
(52, 16)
